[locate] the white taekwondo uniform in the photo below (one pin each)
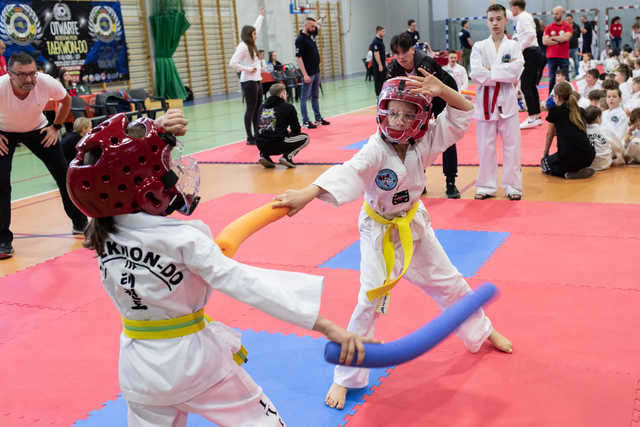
(391, 187)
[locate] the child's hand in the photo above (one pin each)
(349, 342)
(426, 85)
(296, 199)
(173, 122)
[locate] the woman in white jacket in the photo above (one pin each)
(246, 60)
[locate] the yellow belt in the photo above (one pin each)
(173, 328)
(406, 240)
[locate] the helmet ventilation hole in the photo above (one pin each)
(119, 205)
(126, 170)
(86, 185)
(154, 148)
(156, 168)
(106, 178)
(142, 160)
(137, 180)
(122, 187)
(114, 140)
(104, 196)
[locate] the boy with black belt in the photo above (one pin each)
(279, 129)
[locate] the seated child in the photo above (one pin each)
(562, 75)
(615, 125)
(389, 172)
(575, 153)
(634, 101)
(587, 85)
(611, 63)
(636, 68)
(623, 75)
(604, 156)
(632, 150)
(587, 63)
(81, 126)
(279, 129)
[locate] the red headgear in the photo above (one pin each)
(395, 90)
(114, 173)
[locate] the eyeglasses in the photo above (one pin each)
(397, 115)
(31, 75)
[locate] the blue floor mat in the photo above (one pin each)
(356, 145)
(468, 250)
(291, 371)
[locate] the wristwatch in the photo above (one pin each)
(56, 126)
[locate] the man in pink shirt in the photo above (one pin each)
(3, 61)
(24, 93)
(556, 38)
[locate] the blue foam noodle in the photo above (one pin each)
(423, 339)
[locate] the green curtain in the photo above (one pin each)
(168, 24)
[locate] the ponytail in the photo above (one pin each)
(97, 232)
(564, 92)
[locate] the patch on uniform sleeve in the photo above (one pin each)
(386, 179)
(400, 197)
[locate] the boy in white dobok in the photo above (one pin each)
(615, 125)
(389, 172)
(496, 65)
(457, 71)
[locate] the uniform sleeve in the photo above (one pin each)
(346, 182)
(288, 296)
(552, 116)
(445, 131)
(509, 72)
(240, 57)
(479, 73)
(465, 78)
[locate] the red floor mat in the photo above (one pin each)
(325, 145)
(568, 301)
(328, 142)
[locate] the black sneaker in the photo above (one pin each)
(309, 125)
(452, 191)
(267, 162)
(287, 162)
(323, 122)
(6, 250)
(580, 174)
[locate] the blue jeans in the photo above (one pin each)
(615, 43)
(573, 53)
(310, 89)
(554, 64)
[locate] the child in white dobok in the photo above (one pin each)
(496, 65)
(389, 171)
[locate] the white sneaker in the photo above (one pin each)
(531, 123)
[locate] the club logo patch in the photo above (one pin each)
(615, 119)
(400, 197)
(386, 179)
(506, 58)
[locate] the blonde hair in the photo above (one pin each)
(564, 92)
(80, 124)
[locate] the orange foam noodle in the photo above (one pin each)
(468, 92)
(232, 236)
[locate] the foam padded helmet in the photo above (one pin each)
(123, 167)
(395, 90)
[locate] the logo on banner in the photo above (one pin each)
(61, 12)
(104, 24)
(20, 23)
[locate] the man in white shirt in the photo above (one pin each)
(457, 71)
(525, 35)
(24, 93)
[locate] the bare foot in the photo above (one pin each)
(500, 342)
(336, 396)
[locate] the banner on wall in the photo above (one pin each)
(84, 38)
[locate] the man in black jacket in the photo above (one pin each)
(279, 129)
(407, 62)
